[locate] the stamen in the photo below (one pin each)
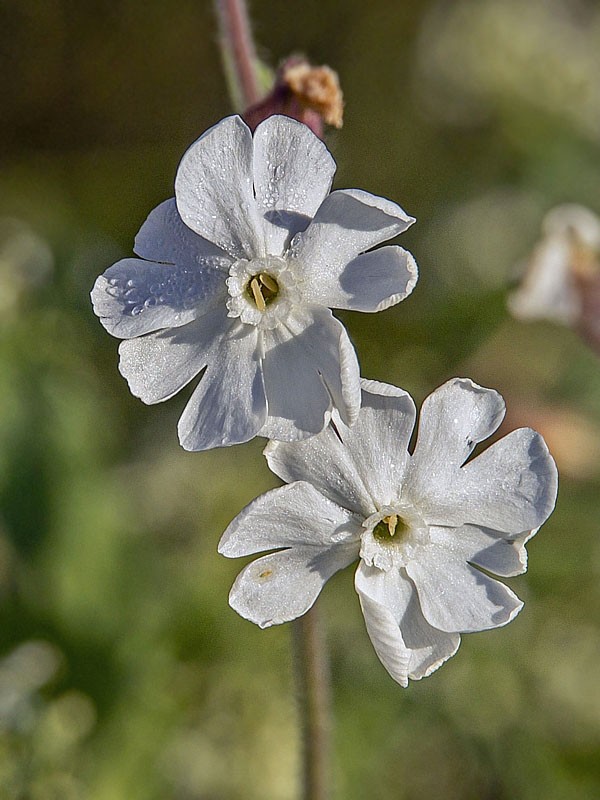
(257, 294)
(262, 288)
(269, 282)
(390, 528)
(391, 521)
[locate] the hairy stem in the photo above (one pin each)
(239, 56)
(312, 677)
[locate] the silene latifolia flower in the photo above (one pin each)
(562, 269)
(421, 525)
(237, 274)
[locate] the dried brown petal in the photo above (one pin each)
(311, 95)
(317, 88)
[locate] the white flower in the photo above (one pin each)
(561, 267)
(241, 269)
(421, 524)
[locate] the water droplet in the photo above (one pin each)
(136, 310)
(150, 302)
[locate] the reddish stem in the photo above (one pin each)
(235, 30)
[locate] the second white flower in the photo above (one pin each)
(421, 524)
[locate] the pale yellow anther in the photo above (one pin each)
(257, 294)
(391, 521)
(268, 281)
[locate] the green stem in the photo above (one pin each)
(310, 655)
(313, 681)
(239, 55)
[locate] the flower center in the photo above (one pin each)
(262, 289)
(392, 537)
(389, 527)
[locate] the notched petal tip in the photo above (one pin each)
(276, 123)
(543, 465)
(100, 303)
(413, 276)
(418, 675)
(491, 409)
(383, 389)
(193, 442)
(387, 207)
(236, 602)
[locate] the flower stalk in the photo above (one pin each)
(314, 701)
(239, 55)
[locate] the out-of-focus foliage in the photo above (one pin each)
(123, 673)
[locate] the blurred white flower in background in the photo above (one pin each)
(242, 268)
(561, 281)
(39, 728)
(421, 524)
(26, 261)
(23, 672)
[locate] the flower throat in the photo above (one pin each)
(262, 289)
(389, 527)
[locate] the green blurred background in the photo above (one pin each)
(123, 672)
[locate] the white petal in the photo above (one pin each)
(298, 403)
(548, 289)
(328, 340)
(513, 484)
(325, 342)
(407, 646)
(293, 515)
(457, 598)
(165, 237)
(214, 191)
(510, 487)
(136, 297)
(324, 462)
(453, 419)
(487, 548)
(347, 223)
(370, 282)
(385, 636)
(360, 467)
(157, 366)
(284, 585)
(229, 404)
(378, 441)
(293, 171)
